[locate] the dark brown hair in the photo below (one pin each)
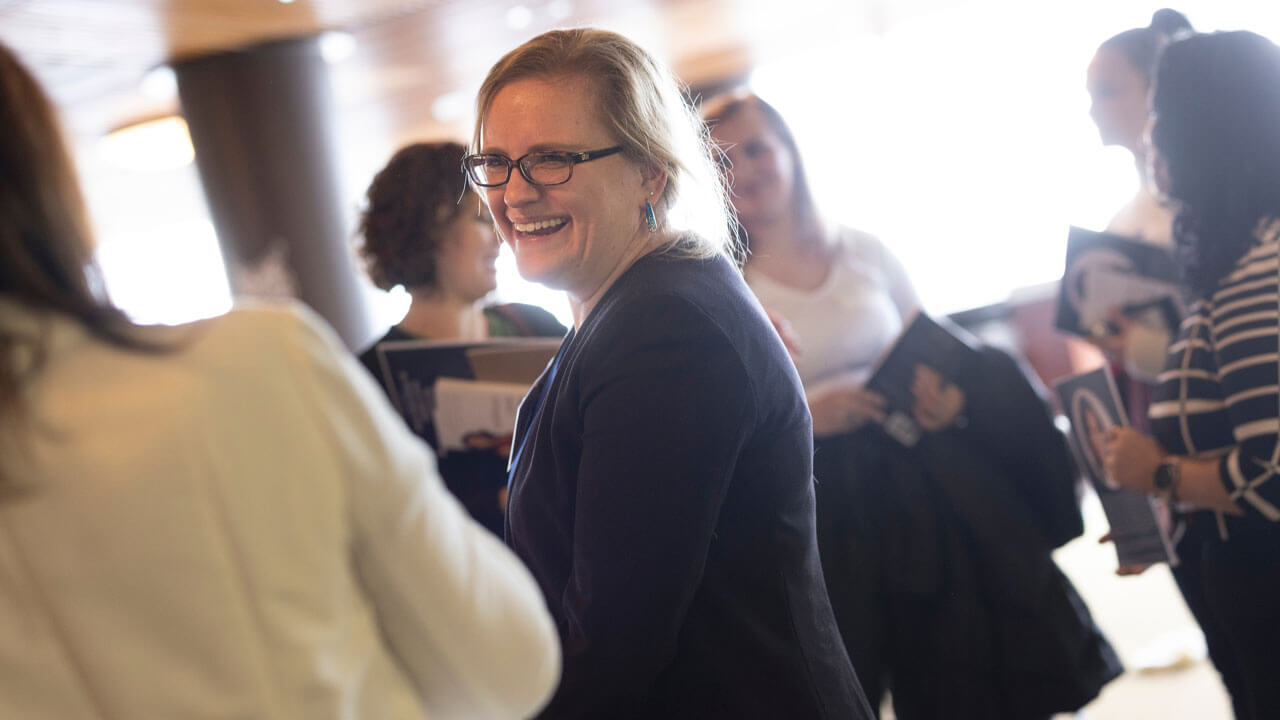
(46, 261)
(408, 206)
(1142, 46)
(1217, 126)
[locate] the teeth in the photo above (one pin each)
(540, 225)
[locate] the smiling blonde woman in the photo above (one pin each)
(661, 487)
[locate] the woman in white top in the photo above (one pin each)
(225, 519)
(839, 295)
(901, 530)
(1119, 81)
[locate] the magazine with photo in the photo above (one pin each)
(463, 396)
(941, 345)
(1106, 272)
(1093, 406)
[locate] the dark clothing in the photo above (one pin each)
(509, 320)
(1219, 397)
(1198, 529)
(937, 559)
(1241, 587)
(663, 500)
(478, 477)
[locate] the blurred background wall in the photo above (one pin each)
(957, 130)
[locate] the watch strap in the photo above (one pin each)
(1167, 475)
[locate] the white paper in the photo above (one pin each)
(470, 414)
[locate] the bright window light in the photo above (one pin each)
(514, 288)
(962, 138)
(167, 275)
(150, 146)
(389, 307)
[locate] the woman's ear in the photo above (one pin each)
(654, 180)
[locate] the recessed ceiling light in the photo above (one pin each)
(336, 46)
(559, 9)
(160, 83)
(519, 17)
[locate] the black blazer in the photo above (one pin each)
(663, 499)
(938, 558)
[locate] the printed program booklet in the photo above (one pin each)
(463, 396)
(1106, 272)
(1093, 405)
(942, 345)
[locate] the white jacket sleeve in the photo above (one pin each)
(460, 612)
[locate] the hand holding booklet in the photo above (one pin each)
(1093, 406)
(1106, 273)
(943, 346)
(463, 396)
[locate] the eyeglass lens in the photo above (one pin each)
(539, 168)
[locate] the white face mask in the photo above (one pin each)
(1146, 346)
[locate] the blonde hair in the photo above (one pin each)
(641, 103)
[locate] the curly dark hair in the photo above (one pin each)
(1217, 127)
(409, 203)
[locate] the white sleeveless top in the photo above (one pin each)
(846, 323)
(1144, 218)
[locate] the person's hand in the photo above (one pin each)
(938, 402)
(783, 328)
(1130, 459)
(845, 409)
(1112, 344)
(1126, 570)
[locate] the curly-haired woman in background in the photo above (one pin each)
(426, 231)
(1215, 135)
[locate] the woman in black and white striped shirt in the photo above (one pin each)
(1215, 131)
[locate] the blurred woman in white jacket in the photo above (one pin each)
(223, 520)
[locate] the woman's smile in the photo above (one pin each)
(539, 228)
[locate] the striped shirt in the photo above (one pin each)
(1219, 395)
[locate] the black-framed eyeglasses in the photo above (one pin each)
(539, 168)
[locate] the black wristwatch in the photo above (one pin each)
(1165, 482)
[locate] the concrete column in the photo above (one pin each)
(261, 123)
